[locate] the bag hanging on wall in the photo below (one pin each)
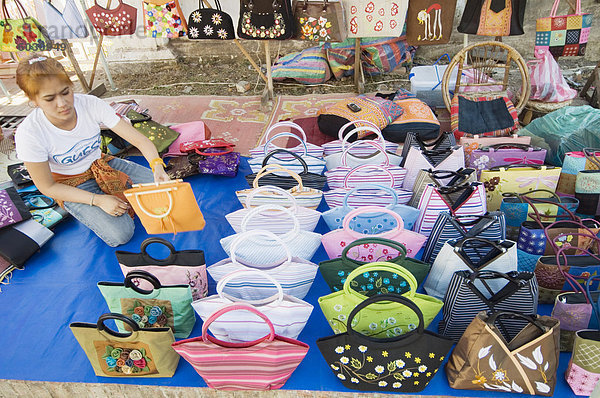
(22, 34)
(209, 23)
(265, 20)
(164, 18)
(366, 18)
(349, 129)
(564, 35)
(268, 146)
(483, 360)
(384, 320)
(13, 208)
(397, 360)
(429, 22)
(282, 177)
(287, 313)
(583, 371)
(166, 207)
(493, 17)
(318, 21)
(67, 24)
(178, 268)
(227, 366)
(505, 154)
(441, 178)
(144, 352)
(118, 21)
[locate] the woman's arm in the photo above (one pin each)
(126, 131)
(42, 178)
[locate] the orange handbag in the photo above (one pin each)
(166, 207)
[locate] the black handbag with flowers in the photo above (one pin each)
(405, 363)
(265, 20)
(209, 23)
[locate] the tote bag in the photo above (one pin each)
(505, 154)
(282, 177)
(383, 320)
(563, 35)
(375, 19)
(335, 241)
(299, 163)
(473, 142)
(208, 23)
(320, 20)
(287, 313)
(573, 163)
(18, 242)
(268, 146)
(22, 34)
(305, 197)
(441, 178)
(295, 275)
(339, 145)
(178, 268)
(118, 21)
(143, 352)
(493, 17)
(418, 353)
(445, 159)
(166, 207)
(163, 306)
(12, 207)
(67, 24)
(583, 371)
(164, 18)
(444, 141)
(263, 364)
(429, 22)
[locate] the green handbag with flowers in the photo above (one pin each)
(161, 136)
(22, 34)
(385, 319)
(163, 306)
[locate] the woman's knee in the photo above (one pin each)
(119, 233)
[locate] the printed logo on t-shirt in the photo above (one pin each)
(78, 151)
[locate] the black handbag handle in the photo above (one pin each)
(434, 152)
(119, 317)
(520, 166)
(485, 274)
(163, 242)
(128, 282)
(510, 314)
(453, 188)
(305, 5)
(523, 147)
(459, 246)
(381, 241)
(202, 6)
(276, 151)
(437, 142)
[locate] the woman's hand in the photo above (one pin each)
(111, 204)
(160, 175)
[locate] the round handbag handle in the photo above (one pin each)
(295, 155)
(459, 246)
(590, 154)
(119, 317)
(579, 224)
(271, 188)
(342, 130)
(369, 166)
(520, 196)
(257, 232)
(509, 314)
(521, 166)
(284, 124)
(270, 169)
(267, 150)
(128, 282)
(233, 307)
(386, 297)
(143, 209)
(372, 186)
(379, 148)
(381, 241)
(381, 266)
(233, 275)
(358, 130)
(524, 147)
(485, 274)
(571, 280)
(257, 210)
(371, 209)
(161, 241)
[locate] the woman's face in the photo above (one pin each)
(55, 98)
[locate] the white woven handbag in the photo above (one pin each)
(332, 147)
(418, 159)
(268, 146)
(295, 275)
(302, 244)
(277, 222)
(290, 160)
(287, 313)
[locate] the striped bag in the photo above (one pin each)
(307, 67)
(440, 178)
(435, 200)
(336, 146)
(347, 158)
(464, 300)
(263, 364)
(363, 197)
(288, 159)
(294, 274)
(347, 177)
(268, 146)
(274, 174)
(444, 141)
(447, 227)
(287, 313)
(443, 159)
(277, 221)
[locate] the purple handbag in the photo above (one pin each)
(574, 311)
(487, 157)
(222, 164)
(12, 207)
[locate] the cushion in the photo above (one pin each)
(308, 67)
(417, 117)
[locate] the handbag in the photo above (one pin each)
(587, 185)
(461, 255)
(191, 131)
(205, 147)
(382, 320)
(563, 35)
(367, 19)
(163, 306)
(441, 178)
(286, 178)
(293, 162)
(262, 364)
(573, 163)
(574, 311)
(19, 175)
(429, 22)
(287, 313)
(118, 21)
(334, 217)
(471, 201)
(493, 115)
(295, 275)
(583, 371)
(166, 207)
(318, 21)
(275, 221)
(547, 81)
(338, 145)
(208, 23)
(222, 164)
(178, 268)
(22, 34)
(444, 141)
(493, 17)
(483, 360)
(161, 136)
(518, 179)
(305, 197)
(268, 146)
(505, 154)
(336, 271)
(443, 159)
(144, 352)
(163, 18)
(265, 20)
(335, 241)
(179, 167)
(491, 226)
(463, 301)
(12, 207)
(395, 363)
(472, 142)
(18, 242)
(67, 24)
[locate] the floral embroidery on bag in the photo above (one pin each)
(149, 313)
(127, 360)
(277, 30)
(315, 29)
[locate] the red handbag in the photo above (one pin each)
(113, 22)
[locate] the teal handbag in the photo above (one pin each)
(163, 306)
(336, 271)
(386, 319)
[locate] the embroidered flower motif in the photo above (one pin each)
(140, 364)
(334, 367)
(136, 318)
(397, 385)
(339, 349)
(126, 369)
(116, 353)
(373, 326)
(362, 348)
(110, 361)
(431, 355)
(407, 354)
(422, 368)
(208, 30)
(417, 360)
(407, 373)
(194, 32)
(354, 380)
(338, 307)
(341, 376)
(135, 355)
(391, 320)
(369, 358)
(216, 19)
(344, 360)
(347, 346)
(499, 375)
(384, 354)
(383, 383)
(139, 311)
(400, 363)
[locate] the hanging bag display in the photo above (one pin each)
(67, 24)
(583, 371)
(482, 360)
(339, 145)
(441, 178)
(209, 23)
(268, 146)
(318, 21)
(403, 364)
(505, 154)
(22, 34)
(493, 17)
(166, 207)
(305, 196)
(382, 320)
(142, 352)
(564, 35)
(178, 268)
(262, 364)
(298, 163)
(164, 18)
(12, 207)
(118, 21)
(381, 19)
(265, 20)
(429, 22)
(287, 313)
(282, 177)
(163, 306)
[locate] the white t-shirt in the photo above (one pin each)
(67, 152)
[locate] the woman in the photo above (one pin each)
(59, 142)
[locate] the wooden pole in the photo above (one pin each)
(269, 76)
(249, 58)
(358, 83)
(98, 51)
(71, 56)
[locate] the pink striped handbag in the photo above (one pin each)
(332, 147)
(262, 364)
(335, 241)
(268, 146)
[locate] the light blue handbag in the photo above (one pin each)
(379, 222)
